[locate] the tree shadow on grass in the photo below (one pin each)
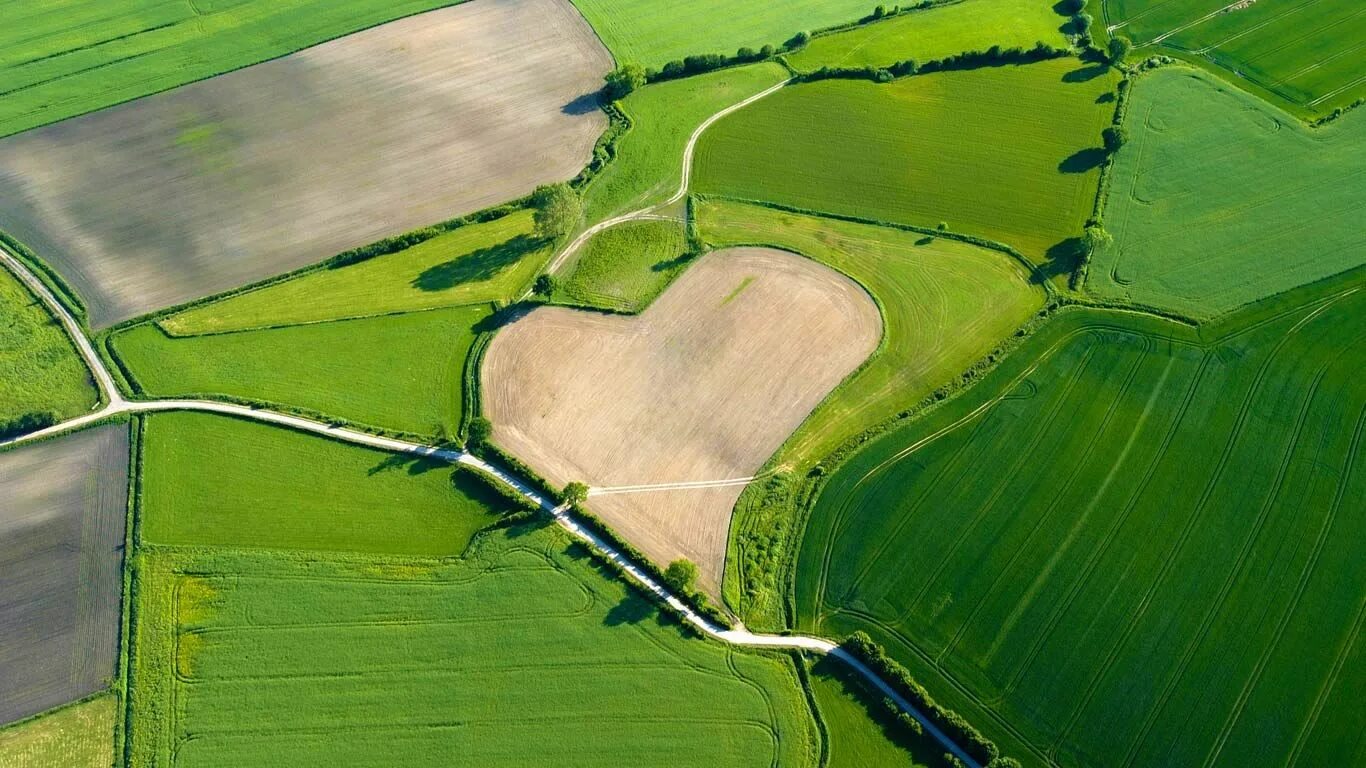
(1062, 258)
(1085, 74)
(505, 316)
(631, 610)
(416, 465)
(482, 264)
(1083, 160)
(671, 264)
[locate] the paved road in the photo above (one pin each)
(116, 404)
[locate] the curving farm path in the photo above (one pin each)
(115, 404)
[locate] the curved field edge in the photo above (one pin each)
(946, 306)
(40, 369)
(961, 685)
(1219, 199)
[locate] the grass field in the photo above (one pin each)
(649, 160)
(475, 264)
(860, 730)
(234, 179)
(1133, 544)
(649, 33)
(1007, 153)
(944, 305)
(63, 504)
(399, 372)
(79, 736)
(935, 33)
(67, 57)
(520, 654)
(1219, 200)
(217, 481)
(1306, 56)
(39, 367)
(624, 268)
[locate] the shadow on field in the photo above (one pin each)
(417, 465)
(1083, 160)
(675, 262)
(1061, 259)
(1085, 74)
(631, 610)
(1106, 98)
(505, 316)
(582, 105)
(923, 748)
(476, 265)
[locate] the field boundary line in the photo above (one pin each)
(560, 513)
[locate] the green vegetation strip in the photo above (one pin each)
(519, 654)
(1009, 153)
(935, 33)
(217, 481)
(67, 57)
(1125, 498)
(77, 736)
(1218, 200)
(624, 268)
(40, 371)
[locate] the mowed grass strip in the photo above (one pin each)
(934, 33)
(624, 268)
(212, 480)
(39, 367)
(1304, 56)
(78, 736)
(1008, 153)
(61, 58)
(477, 263)
(522, 653)
(944, 305)
(649, 162)
(398, 372)
(1219, 200)
(1125, 499)
(650, 33)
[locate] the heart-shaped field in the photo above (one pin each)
(702, 387)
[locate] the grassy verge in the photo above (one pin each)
(624, 268)
(40, 370)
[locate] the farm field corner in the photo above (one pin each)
(1196, 524)
(40, 371)
(1219, 200)
(1009, 153)
(77, 736)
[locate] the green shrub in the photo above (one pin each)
(28, 422)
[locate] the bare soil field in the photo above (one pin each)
(61, 557)
(269, 168)
(704, 385)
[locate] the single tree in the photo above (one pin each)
(623, 80)
(1114, 137)
(557, 210)
(481, 429)
(575, 493)
(1071, 7)
(544, 285)
(681, 575)
(798, 40)
(1081, 24)
(1095, 238)
(1119, 47)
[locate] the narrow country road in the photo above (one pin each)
(116, 404)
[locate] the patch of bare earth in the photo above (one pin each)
(279, 165)
(63, 504)
(704, 385)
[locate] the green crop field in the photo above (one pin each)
(39, 368)
(1218, 200)
(1134, 543)
(211, 480)
(78, 736)
(1305, 55)
(519, 654)
(936, 32)
(475, 264)
(400, 372)
(60, 58)
(1008, 153)
(944, 305)
(624, 268)
(651, 33)
(649, 160)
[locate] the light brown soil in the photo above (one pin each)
(704, 385)
(243, 176)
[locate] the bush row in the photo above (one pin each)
(409, 239)
(605, 150)
(954, 725)
(1335, 114)
(518, 502)
(994, 56)
(492, 453)
(59, 286)
(1078, 277)
(26, 423)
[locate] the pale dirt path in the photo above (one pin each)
(117, 404)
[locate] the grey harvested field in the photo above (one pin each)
(704, 385)
(61, 557)
(276, 166)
